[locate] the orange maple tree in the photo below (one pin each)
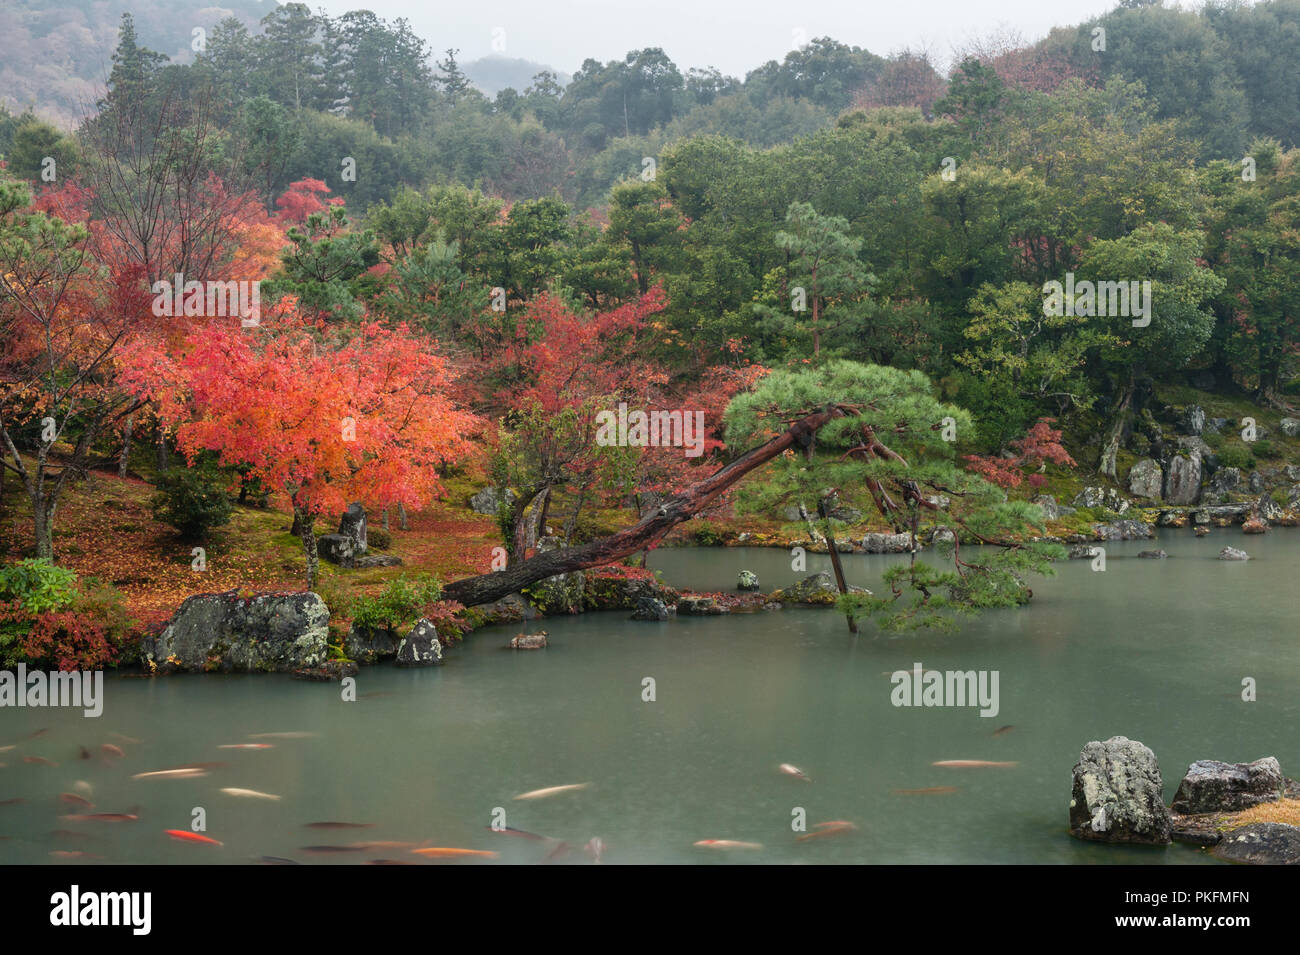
(322, 421)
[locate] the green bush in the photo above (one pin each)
(1264, 448)
(1235, 456)
(401, 601)
(192, 500)
(378, 538)
(38, 585)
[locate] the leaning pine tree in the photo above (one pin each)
(894, 442)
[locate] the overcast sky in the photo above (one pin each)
(733, 35)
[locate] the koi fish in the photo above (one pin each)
(102, 817)
(108, 749)
(83, 753)
(794, 771)
(277, 860)
(595, 848)
(249, 793)
(184, 835)
(187, 773)
(280, 735)
(339, 825)
(5, 749)
(931, 791)
(971, 764)
(246, 746)
(124, 739)
(552, 790)
(827, 829)
(73, 854)
(39, 760)
(76, 800)
(1004, 730)
(512, 831)
(444, 853)
(561, 850)
(16, 801)
(727, 844)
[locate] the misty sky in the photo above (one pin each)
(733, 35)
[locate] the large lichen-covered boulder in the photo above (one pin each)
(818, 589)
(1213, 786)
(748, 580)
(650, 608)
(1123, 531)
(610, 588)
(1183, 478)
(887, 543)
(563, 593)
(421, 647)
(1118, 795)
(489, 500)
(1261, 843)
(1146, 479)
(1106, 498)
(338, 549)
(700, 607)
(250, 632)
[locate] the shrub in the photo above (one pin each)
(192, 500)
(401, 601)
(46, 618)
(1236, 456)
(1264, 448)
(378, 538)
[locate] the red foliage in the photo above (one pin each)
(1040, 446)
(301, 199)
(69, 639)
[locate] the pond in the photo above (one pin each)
(1153, 650)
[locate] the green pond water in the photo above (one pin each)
(1153, 650)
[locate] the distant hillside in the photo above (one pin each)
(55, 54)
(494, 73)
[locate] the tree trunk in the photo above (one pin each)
(486, 588)
(401, 517)
(835, 560)
(163, 459)
(306, 524)
(43, 526)
(1115, 436)
(124, 460)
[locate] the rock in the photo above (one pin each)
(563, 593)
(1231, 553)
(1222, 514)
(337, 549)
(1051, 510)
(370, 646)
(773, 605)
(334, 670)
(1224, 482)
(1193, 419)
(1202, 531)
(375, 560)
(1183, 478)
(887, 543)
(1290, 427)
(943, 536)
(1106, 498)
(1269, 509)
(529, 641)
(488, 501)
(791, 514)
(509, 609)
(1152, 554)
(1215, 425)
(1212, 786)
(353, 524)
(1255, 482)
(230, 631)
(1291, 471)
(1197, 444)
(1082, 552)
(421, 647)
(650, 608)
(604, 592)
(1254, 525)
(846, 514)
(818, 589)
(748, 580)
(1172, 518)
(1122, 531)
(1146, 479)
(1261, 843)
(1118, 795)
(699, 607)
